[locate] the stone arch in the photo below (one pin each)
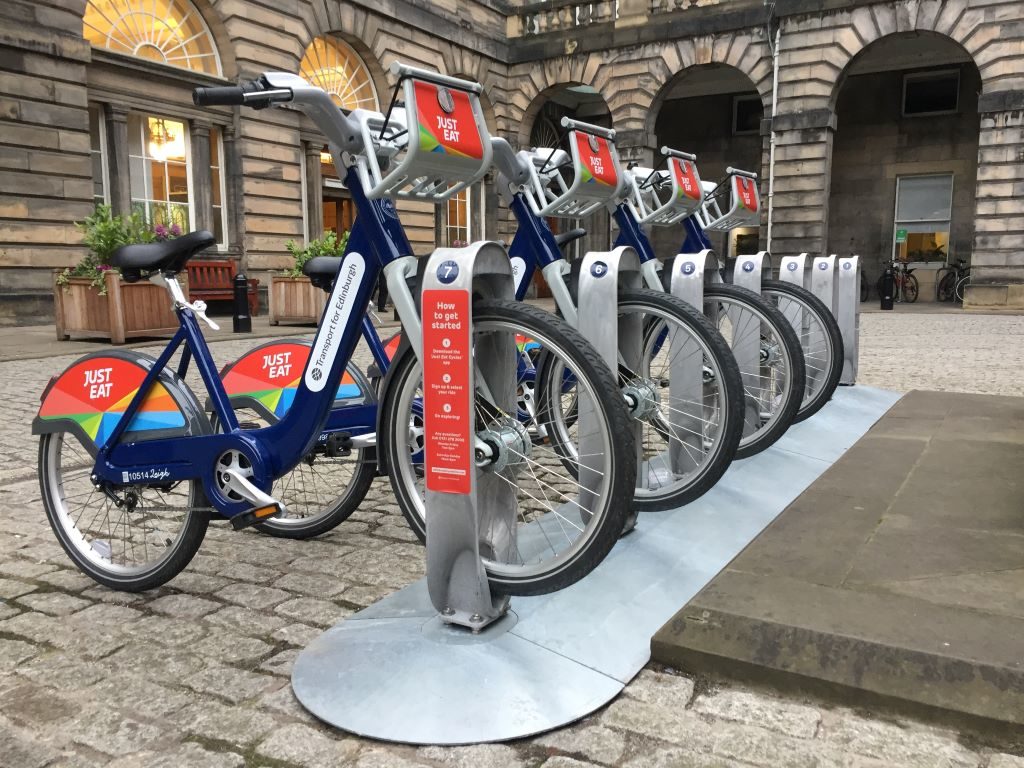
(940, 39)
(528, 82)
(743, 51)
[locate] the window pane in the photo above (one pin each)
(158, 175)
(177, 182)
(748, 115)
(931, 93)
(99, 176)
(165, 139)
(135, 131)
(178, 214)
(924, 198)
(169, 32)
(332, 65)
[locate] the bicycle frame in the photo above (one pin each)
(377, 242)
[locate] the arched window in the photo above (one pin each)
(332, 65)
(170, 32)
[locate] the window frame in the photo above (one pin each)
(189, 170)
(225, 244)
(736, 99)
(931, 74)
(103, 152)
(896, 221)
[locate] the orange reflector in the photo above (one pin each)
(267, 511)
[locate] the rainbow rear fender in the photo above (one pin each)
(89, 398)
(266, 379)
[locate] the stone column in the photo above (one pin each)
(117, 159)
(803, 176)
(997, 263)
(202, 197)
(314, 190)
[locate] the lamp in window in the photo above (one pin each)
(166, 141)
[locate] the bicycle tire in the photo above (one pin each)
(946, 288)
(336, 511)
(833, 370)
(911, 288)
(961, 285)
(619, 469)
(792, 396)
(88, 556)
(709, 450)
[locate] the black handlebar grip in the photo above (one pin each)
(227, 95)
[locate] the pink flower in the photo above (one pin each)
(175, 230)
(103, 267)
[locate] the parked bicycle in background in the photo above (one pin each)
(950, 287)
(905, 282)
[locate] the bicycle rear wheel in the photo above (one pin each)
(563, 527)
(820, 339)
(133, 538)
(771, 362)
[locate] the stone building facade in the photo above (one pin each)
(887, 128)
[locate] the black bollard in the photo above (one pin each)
(241, 322)
(888, 286)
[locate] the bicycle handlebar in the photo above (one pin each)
(738, 172)
(669, 152)
(404, 71)
(597, 130)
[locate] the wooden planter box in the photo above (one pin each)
(129, 310)
(295, 300)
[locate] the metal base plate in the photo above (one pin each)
(395, 672)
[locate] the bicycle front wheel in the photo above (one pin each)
(565, 520)
(771, 362)
(910, 288)
(820, 339)
(686, 395)
(946, 289)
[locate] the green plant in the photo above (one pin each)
(103, 234)
(330, 244)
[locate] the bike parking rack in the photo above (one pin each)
(690, 273)
(847, 313)
(823, 283)
(746, 339)
(602, 275)
(792, 269)
(464, 507)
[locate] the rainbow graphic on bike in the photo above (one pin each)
(270, 375)
(453, 132)
(596, 164)
(95, 392)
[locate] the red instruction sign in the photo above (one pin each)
(447, 397)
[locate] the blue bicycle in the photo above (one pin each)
(131, 467)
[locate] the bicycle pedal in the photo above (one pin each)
(255, 516)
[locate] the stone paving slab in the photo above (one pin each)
(899, 572)
(121, 656)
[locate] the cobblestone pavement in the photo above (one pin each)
(196, 675)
